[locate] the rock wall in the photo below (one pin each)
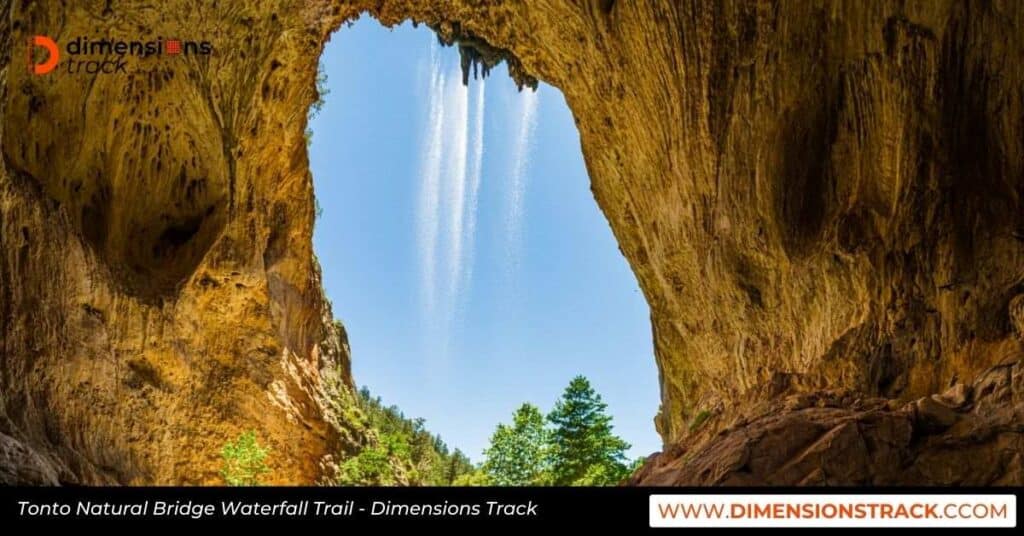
(970, 435)
(814, 195)
(158, 290)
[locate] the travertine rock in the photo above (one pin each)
(839, 439)
(158, 290)
(814, 195)
(1017, 315)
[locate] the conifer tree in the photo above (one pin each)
(583, 451)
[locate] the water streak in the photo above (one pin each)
(475, 175)
(428, 220)
(457, 131)
(520, 163)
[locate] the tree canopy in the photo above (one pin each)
(573, 446)
(583, 450)
(517, 454)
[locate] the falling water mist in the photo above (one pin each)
(452, 172)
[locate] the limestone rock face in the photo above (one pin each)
(1017, 315)
(158, 290)
(967, 436)
(816, 196)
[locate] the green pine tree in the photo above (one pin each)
(458, 464)
(583, 450)
(516, 455)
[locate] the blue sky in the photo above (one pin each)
(464, 251)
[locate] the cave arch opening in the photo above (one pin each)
(460, 243)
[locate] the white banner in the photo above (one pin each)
(827, 510)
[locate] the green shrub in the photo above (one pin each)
(244, 461)
(376, 465)
(475, 479)
(371, 467)
(699, 419)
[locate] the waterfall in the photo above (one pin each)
(517, 180)
(428, 217)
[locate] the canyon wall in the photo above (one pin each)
(821, 201)
(158, 288)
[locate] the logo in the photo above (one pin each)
(173, 46)
(84, 55)
(52, 58)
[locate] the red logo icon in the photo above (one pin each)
(172, 46)
(52, 58)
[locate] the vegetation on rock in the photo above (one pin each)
(398, 450)
(244, 461)
(572, 446)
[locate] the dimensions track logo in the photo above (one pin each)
(83, 55)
